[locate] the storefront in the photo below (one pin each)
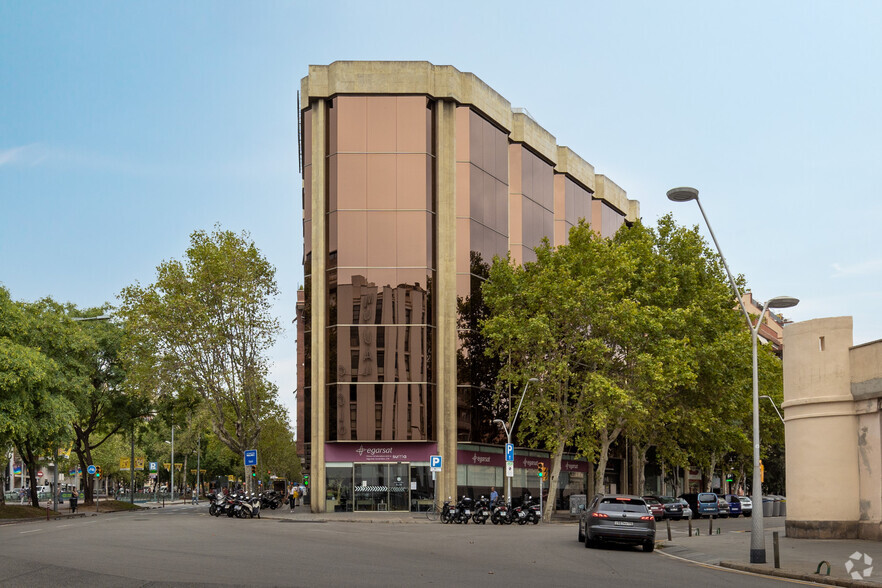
(380, 476)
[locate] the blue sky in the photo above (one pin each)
(126, 126)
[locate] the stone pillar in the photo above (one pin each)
(820, 430)
(319, 293)
(445, 292)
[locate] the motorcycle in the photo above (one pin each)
(448, 511)
(501, 513)
(482, 511)
(270, 499)
(464, 510)
(527, 512)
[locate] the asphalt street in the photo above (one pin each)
(182, 545)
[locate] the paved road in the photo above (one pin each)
(182, 545)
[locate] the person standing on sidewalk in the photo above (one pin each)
(74, 498)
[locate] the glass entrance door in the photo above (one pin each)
(381, 486)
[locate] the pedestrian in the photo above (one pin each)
(494, 496)
(22, 494)
(74, 498)
(293, 494)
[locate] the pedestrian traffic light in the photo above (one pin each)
(540, 469)
(306, 480)
(253, 471)
(97, 471)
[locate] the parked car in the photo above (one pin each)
(746, 505)
(734, 505)
(673, 507)
(703, 504)
(723, 507)
(655, 507)
(618, 518)
(687, 510)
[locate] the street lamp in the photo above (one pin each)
(508, 428)
(757, 534)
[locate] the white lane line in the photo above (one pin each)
(63, 526)
(31, 531)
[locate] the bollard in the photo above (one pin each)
(710, 519)
(826, 563)
(668, 523)
(690, 527)
(47, 512)
(697, 531)
(718, 530)
(775, 547)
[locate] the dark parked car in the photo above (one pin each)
(655, 507)
(703, 504)
(734, 505)
(673, 507)
(618, 518)
(723, 507)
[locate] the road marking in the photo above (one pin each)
(63, 526)
(722, 569)
(31, 531)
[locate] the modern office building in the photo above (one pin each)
(414, 177)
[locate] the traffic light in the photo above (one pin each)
(540, 469)
(306, 480)
(97, 471)
(253, 471)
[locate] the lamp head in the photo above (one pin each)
(683, 194)
(782, 302)
(533, 380)
(499, 422)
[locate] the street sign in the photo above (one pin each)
(39, 474)
(153, 467)
(251, 457)
(435, 463)
(91, 469)
(509, 452)
(509, 469)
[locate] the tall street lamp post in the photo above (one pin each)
(508, 428)
(757, 534)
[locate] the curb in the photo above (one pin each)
(816, 578)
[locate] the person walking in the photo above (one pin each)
(292, 496)
(494, 496)
(74, 498)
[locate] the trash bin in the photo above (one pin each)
(783, 506)
(768, 506)
(779, 501)
(575, 501)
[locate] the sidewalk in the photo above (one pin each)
(799, 558)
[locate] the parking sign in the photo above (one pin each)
(435, 463)
(509, 452)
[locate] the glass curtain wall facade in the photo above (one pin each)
(415, 177)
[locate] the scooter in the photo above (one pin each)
(482, 512)
(448, 511)
(464, 510)
(501, 513)
(248, 506)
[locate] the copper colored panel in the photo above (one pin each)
(463, 244)
(332, 231)
(476, 187)
(332, 182)
(500, 148)
(500, 200)
(352, 239)
(410, 181)
(352, 123)
(307, 238)
(462, 285)
(332, 128)
(410, 124)
(381, 242)
(351, 180)
(381, 181)
(489, 148)
(307, 194)
(307, 138)
(463, 191)
(515, 224)
(463, 114)
(381, 131)
(515, 165)
(476, 139)
(410, 229)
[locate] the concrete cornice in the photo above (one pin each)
(574, 166)
(526, 130)
(617, 197)
(405, 77)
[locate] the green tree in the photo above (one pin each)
(203, 328)
(38, 368)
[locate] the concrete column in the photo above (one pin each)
(445, 292)
(820, 430)
(319, 293)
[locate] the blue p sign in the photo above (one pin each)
(435, 461)
(509, 452)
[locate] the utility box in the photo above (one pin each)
(575, 501)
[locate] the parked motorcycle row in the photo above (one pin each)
(480, 511)
(243, 505)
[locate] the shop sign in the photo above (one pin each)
(379, 452)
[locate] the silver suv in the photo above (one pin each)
(618, 518)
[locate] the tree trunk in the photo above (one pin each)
(553, 482)
(606, 439)
(710, 478)
(640, 452)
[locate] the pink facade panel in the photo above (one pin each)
(349, 130)
(350, 178)
(380, 451)
(381, 181)
(410, 124)
(381, 124)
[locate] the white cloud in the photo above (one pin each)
(863, 268)
(22, 155)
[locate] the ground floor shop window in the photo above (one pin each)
(366, 487)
